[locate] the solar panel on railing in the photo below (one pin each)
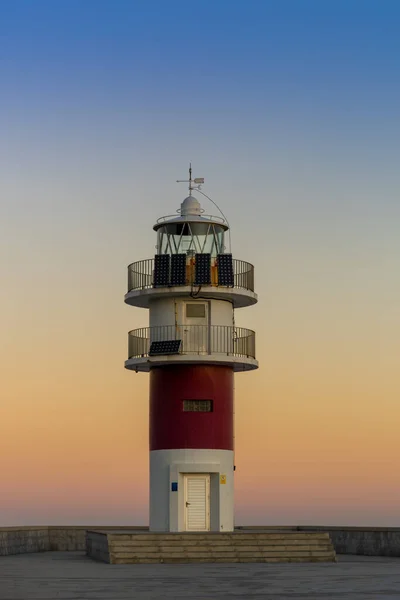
(165, 347)
(178, 269)
(225, 270)
(203, 269)
(161, 270)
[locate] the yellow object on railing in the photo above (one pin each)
(214, 275)
(190, 271)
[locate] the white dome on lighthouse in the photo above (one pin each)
(191, 206)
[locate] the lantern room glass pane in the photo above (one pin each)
(191, 238)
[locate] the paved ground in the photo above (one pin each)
(73, 576)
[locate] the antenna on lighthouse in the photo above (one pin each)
(197, 181)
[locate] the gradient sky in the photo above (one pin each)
(291, 111)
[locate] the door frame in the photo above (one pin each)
(207, 477)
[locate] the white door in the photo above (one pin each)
(195, 326)
(197, 502)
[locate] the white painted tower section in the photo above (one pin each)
(168, 511)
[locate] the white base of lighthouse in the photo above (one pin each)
(191, 490)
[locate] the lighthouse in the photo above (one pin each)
(191, 350)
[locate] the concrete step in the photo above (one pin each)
(306, 559)
(215, 537)
(211, 544)
(219, 548)
(215, 534)
(203, 554)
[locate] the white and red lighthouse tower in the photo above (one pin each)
(191, 349)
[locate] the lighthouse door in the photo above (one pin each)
(196, 330)
(197, 502)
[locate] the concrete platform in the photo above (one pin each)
(73, 576)
(369, 541)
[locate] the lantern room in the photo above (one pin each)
(192, 232)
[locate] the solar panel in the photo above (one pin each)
(178, 269)
(165, 347)
(161, 270)
(225, 270)
(203, 269)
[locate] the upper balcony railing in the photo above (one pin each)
(212, 218)
(195, 339)
(141, 275)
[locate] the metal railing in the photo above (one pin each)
(167, 218)
(195, 339)
(141, 275)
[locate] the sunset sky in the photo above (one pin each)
(290, 109)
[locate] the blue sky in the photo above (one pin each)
(265, 80)
(201, 59)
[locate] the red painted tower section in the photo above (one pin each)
(171, 427)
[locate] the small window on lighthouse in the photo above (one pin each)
(196, 310)
(197, 406)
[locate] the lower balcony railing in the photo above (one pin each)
(192, 339)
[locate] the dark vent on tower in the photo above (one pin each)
(197, 406)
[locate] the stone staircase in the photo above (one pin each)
(235, 547)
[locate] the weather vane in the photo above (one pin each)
(197, 181)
